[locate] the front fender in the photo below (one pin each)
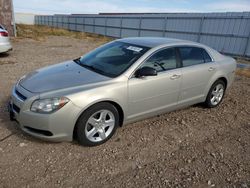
(116, 93)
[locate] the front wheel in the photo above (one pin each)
(97, 124)
(215, 94)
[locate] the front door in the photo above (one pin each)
(152, 94)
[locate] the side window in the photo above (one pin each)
(162, 60)
(193, 56)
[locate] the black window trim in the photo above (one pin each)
(192, 46)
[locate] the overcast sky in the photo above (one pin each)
(97, 6)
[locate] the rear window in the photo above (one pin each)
(193, 56)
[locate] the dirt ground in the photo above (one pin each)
(193, 147)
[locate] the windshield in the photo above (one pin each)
(113, 58)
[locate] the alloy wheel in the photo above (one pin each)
(217, 94)
(100, 125)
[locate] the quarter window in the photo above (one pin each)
(193, 56)
(207, 58)
(162, 60)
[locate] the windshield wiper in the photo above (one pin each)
(78, 61)
(90, 67)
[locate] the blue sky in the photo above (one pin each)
(96, 6)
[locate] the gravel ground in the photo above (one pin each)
(193, 147)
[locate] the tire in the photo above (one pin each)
(97, 124)
(215, 94)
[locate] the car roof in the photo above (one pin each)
(153, 41)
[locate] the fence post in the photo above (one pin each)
(121, 27)
(247, 44)
(140, 27)
(106, 19)
(75, 24)
(200, 28)
(94, 25)
(165, 25)
(68, 23)
(83, 24)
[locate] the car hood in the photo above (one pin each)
(59, 76)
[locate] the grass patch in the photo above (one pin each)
(40, 33)
(243, 60)
(243, 72)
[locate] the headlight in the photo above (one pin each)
(48, 105)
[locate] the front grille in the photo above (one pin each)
(21, 96)
(16, 108)
(39, 131)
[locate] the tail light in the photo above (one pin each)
(4, 34)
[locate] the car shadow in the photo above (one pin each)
(199, 105)
(5, 54)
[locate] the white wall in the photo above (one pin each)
(25, 18)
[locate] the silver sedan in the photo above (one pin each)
(118, 83)
(5, 44)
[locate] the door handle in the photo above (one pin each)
(175, 76)
(211, 69)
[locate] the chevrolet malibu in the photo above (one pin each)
(118, 83)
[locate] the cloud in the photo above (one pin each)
(229, 6)
(94, 6)
(157, 6)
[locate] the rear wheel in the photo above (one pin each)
(97, 124)
(215, 94)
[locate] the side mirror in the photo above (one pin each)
(145, 71)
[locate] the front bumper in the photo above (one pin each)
(57, 126)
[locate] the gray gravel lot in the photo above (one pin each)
(193, 147)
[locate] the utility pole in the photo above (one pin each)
(7, 16)
(13, 18)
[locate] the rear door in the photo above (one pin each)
(197, 69)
